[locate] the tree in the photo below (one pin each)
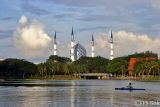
(148, 68)
(17, 68)
(42, 69)
(118, 66)
(55, 58)
(66, 69)
(92, 65)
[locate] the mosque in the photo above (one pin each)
(77, 50)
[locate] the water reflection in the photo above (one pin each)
(72, 94)
(76, 94)
(93, 98)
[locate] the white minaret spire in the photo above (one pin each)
(111, 47)
(92, 47)
(72, 46)
(55, 45)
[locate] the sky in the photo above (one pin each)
(28, 26)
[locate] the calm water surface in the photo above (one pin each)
(78, 93)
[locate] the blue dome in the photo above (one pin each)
(79, 51)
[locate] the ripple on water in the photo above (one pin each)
(76, 94)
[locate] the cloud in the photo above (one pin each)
(6, 18)
(92, 28)
(30, 8)
(5, 33)
(30, 38)
(93, 17)
(91, 3)
(6, 42)
(126, 43)
(155, 3)
(63, 49)
(59, 16)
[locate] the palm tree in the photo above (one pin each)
(153, 67)
(42, 69)
(158, 68)
(148, 67)
(140, 69)
(51, 68)
(66, 69)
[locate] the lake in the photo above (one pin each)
(78, 93)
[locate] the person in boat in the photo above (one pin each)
(130, 85)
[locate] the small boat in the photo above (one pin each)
(130, 89)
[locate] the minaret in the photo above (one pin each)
(72, 46)
(92, 47)
(111, 47)
(55, 45)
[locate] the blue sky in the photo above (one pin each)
(87, 17)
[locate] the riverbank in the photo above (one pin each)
(151, 78)
(72, 77)
(144, 78)
(56, 77)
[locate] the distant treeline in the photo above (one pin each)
(55, 65)
(16, 68)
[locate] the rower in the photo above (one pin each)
(130, 85)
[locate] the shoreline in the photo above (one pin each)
(71, 77)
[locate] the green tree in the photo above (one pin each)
(16, 68)
(118, 66)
